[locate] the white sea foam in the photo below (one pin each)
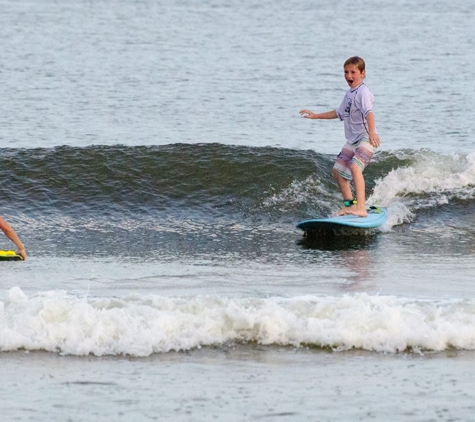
(439, 176)
(431, 180)
(142, 325)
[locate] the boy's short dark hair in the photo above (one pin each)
(356, 61)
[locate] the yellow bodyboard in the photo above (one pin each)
(10, 256)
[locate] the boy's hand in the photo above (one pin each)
(307, 114)
(374, 139)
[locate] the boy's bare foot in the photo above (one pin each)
(341, 212)
(353, 210)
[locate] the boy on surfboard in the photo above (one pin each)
(10, 233)
(356, 111)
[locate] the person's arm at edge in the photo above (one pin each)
(10, 233)
(308, 114)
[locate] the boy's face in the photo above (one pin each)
(353, 75)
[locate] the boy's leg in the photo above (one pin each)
(344, 185)
(351, 162)
(345, 189)
(364, 153)
(342, 174)
(358, 180)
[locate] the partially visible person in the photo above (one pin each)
(10, 233)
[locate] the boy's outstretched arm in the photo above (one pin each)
(10, 233)
(308, 114)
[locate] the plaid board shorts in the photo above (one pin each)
(359, 153)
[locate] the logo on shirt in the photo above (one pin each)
(348, 107)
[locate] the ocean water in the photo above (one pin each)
(154, 163)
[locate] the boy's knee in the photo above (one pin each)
(355, 168)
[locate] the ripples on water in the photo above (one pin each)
(154, 73)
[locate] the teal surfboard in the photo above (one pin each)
(376, 217)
